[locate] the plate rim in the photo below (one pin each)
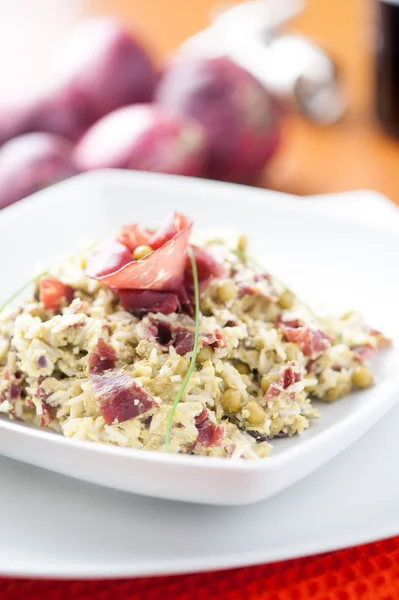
(160, 180)
(162, 566)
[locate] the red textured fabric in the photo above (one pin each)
(369, 572)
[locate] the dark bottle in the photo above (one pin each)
(387, 65)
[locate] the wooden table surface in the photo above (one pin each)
(352, 154)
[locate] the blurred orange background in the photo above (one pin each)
(353, 154)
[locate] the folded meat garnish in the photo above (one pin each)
(161, 270)
(110, 257)
(162, 280)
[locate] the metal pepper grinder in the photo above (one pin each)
(291, 66)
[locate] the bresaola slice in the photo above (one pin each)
(289, 377)
(118, 395)
(141, 302)
(108, 258)
(102, 358)
(162, 270)
(134, 235)
(165, 334)
(183, 340)
(180, 337)
(162, 281)
(311, 342)
(207, 268)
(209, 434)
(169, 228)
(363, 352)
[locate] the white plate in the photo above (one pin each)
(348, 264)
(56, 526)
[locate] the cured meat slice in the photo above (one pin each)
(161, 270)
(134, 235)
(102, 358)
(207, 268)
(119, 396)
(110, 257)
(209, 434)
(311, 342)
(364, 352)
(141, 302)
(169, 228)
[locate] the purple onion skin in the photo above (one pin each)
(56, 112)
(100, 68)
(238, 115)
(42, 361)
(143, 137)
(31, 162)
(259, 437)
(15, 118)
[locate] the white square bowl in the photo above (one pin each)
(348, 265)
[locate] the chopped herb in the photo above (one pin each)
(195, 350)
(21, 289)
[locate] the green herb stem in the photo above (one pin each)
(195, 350)
(21, 289)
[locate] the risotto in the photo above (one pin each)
(158, 341)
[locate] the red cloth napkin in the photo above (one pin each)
(369, 572)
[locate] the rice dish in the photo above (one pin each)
(100, 348)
